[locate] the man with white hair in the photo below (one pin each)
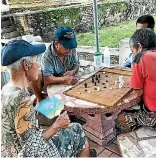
(20, 132)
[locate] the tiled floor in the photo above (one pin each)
(112, 150)
(139, 143)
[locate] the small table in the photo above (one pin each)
(100, 121)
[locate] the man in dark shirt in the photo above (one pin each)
(145, 21)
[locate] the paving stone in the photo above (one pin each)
(115, 142)
(95, 146)
(114, 148)
(105, 153)
(115, 155)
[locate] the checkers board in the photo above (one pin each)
(106, 91)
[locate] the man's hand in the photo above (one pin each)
(70, 80)
(138, 92)
(62, 121)
(37, 100)
(69, 73)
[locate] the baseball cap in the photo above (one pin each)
(16, 49)
(66, 36)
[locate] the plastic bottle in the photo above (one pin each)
(106, 57)
(97, 59)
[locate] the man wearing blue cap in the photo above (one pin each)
(20, 132)
(60, 62)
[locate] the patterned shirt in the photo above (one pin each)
(19, 130)
(21, 135)
(52, 65)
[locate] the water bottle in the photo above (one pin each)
(106, 57)
(98, 59)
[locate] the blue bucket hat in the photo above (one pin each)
(15, 50)
(66, 36)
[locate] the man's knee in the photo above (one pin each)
(76, 127)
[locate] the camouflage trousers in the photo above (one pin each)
(66, 143)
(70, 141)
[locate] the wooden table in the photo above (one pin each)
(100, 121)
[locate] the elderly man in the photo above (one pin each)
(60, 62)
(143, 81)
(20, 133)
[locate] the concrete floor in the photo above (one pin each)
(112, 150)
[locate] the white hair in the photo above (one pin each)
(16, 65)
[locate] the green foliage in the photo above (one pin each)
(20, 1)
(109, 36)
(111, 7)
(63, 16)
(123, 7)
(111, 1)
(31, 1)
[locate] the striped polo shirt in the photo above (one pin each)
(52, 65)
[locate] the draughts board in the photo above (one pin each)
(106, 91)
